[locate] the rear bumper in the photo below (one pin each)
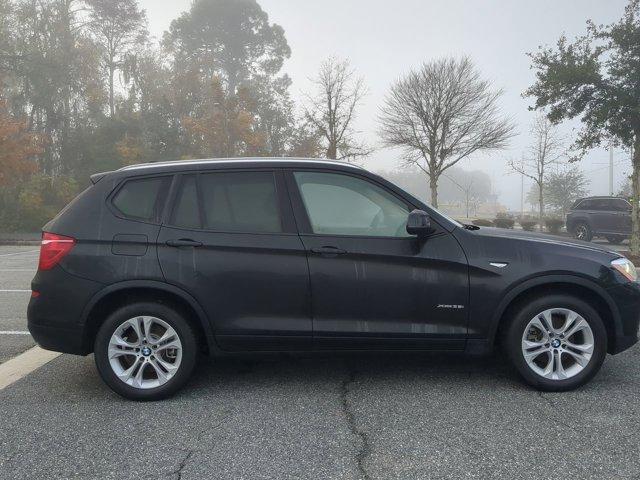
(55, 315)
(65, 340)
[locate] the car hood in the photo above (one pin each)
(543, 238)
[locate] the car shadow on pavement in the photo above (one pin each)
(372, 367)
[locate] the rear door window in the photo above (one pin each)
(186, 213)
(245, 202)
(605, 205)
(142, 199)
(240, 202)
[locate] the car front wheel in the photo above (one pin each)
(145, 351)
(582, 231)
(557, 342)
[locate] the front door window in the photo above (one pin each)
(345, 205)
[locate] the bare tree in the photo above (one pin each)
(442, 113)
(119, 26)
(546, 151)
(467, 187)
(332, 108)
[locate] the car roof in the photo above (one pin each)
(601, 197)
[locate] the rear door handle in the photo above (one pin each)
(184, 242)
(328, 251)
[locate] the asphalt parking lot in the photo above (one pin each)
(333, 417)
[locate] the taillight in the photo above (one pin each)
(53, 249)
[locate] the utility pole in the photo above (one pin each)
(522, 194)
(611, 171)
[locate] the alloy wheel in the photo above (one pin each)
(557, 344)
(145, 352)
(581, 232)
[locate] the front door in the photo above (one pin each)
(231, 242)
(604, 216)
(373, 285)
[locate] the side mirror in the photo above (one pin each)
(419, 223)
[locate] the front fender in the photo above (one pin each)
(542, 280)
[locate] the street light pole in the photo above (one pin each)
(611, 171)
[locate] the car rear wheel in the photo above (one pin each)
(582, 231)
(615, 239)
(557, 342)
(145, 351)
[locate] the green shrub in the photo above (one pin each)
(482, 222)
(553, 225)
(504, 222)
(527, 224)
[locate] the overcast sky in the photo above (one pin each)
(384, 39)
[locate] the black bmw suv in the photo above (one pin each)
(155, 264)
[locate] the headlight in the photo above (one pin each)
(626, 268)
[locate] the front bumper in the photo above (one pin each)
(626, 297)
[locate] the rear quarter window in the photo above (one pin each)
(141, 199)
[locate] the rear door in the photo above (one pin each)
(373, 285)
(230, 241)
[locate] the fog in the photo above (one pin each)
(383, 40)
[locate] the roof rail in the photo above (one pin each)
(236, 160)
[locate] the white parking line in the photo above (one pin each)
(14, 332)
(18, 367)
(15, 291)
(18, 253)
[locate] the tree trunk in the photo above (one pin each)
(332, 151)
(467, 204)
(635, 186)
(540, 208)
(112, 108)
(433, 185)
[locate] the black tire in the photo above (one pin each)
(172, 317)
(533, 307)
(582, 231)
(615, 239)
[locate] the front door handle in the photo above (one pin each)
(184, 242)
(328, 251)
